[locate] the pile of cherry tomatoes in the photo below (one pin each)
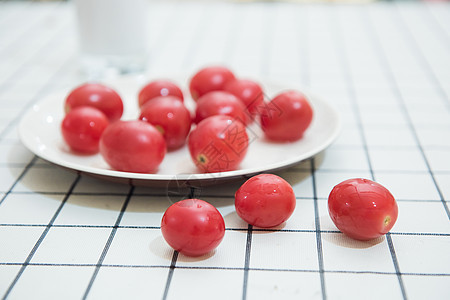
(216, 136)
(216, 132)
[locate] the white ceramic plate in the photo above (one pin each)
(39, 130)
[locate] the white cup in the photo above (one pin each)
(112, 36)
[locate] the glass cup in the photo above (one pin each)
(112, 36)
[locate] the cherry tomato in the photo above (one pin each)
(132, 146)
(98, 96)
(82, 128)
(218, 144)
(250, 93)
(362, 209)
(192, 227)
(169, 115)
(265, 200)
(159, 88)
(220, 103)
(286, 117)
(213, 78)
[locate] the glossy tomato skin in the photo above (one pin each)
(99, 96)
(249, 92)
(218, 144)
(169, 115)
(220, 103)
(82, 128)
(132, 146)
(193, 227)
(362, 209)
(159, 88)
(286, 117)
(265, 200)
(213, 78)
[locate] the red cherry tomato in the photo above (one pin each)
(132, 146)
(158, 88)
(286, 117)
(170, 116)
(209, 79)
(362, 209)
(82, 128)
(218, 144)
(97, 95)
(192, 227)
(220, 103)
(250, 93)
(265, 200)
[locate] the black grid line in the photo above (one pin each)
(264, 70)
(25, 170)
(193, 192)
(173, 262)
(375, 40)
(392, 147)
(303, 45)
(197, 193)
(197, 38)
(42, 164)
(41, 92)
(344, 63)
(369, 25)
(11, 15)
(23, 67)
(282, 230)
(436, 27)
(163, 38)
(379, 171)
(116, 266)
(395, 88)
(248, 248)
(233, 33)
(108, 243)
(29, 32)
(127, 266)
(294, 169)
(396, 266)
(354, 100)
(267, 26)
(41, 238)
(344, 66)
(421, 58)
(170, 274)
(318, 233)
(13, 165)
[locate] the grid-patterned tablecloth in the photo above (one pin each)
(385, 66)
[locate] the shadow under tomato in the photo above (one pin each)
(340, 239)
(64, 148)
(183, 258)
(260, 230)
(144, 199)
(160, 248)
(235, 223)
(302, 170)
(331, 234)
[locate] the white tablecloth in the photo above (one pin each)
(385, 66)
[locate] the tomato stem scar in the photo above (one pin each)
(201, 158)
(160, 129)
